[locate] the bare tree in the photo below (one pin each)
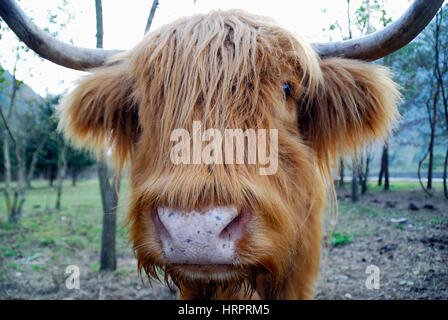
(349, 20)
(62, 168)
(355, 164)
(437, 94)
(384, 167)
(431, 108)
(445, 175)
(432, 122)
(432, 103)
(355, 175)
(109, 195)
(364, 169)
(441, 69)
(14, 197)
(341, 171)
(34, 158)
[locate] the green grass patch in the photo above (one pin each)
(438, 220)
(401, 185)
(121, 272)
(10, 253)
(340, 239)
(14, 266)
(95, 267)
(37, 267)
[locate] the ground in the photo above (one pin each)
(411, 253)
(412, 256)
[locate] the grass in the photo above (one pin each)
(438, 220)
(45, 237)
(84, 196)
(339, 239)
(403, 185)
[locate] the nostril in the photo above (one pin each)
(236, 228)
(160, 227)
(230, 229)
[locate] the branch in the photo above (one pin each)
(99, 23)
(14, 143)
(155, 3)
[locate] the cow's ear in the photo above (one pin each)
(100, 112)
(356, 102)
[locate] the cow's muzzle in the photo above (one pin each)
(208, 236)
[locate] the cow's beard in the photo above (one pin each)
(236, 282)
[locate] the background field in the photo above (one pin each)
(412, 256)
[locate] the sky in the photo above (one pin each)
(124, 23)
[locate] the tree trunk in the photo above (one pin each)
(341, 172)
(431, 161)
(109, 197)
(365, 180)
(438, 73)
(8, 192)
(349, 20)
(380, 175)
(34, 158)
(74, 177)
(386, 166)
(445, 175)
(51, 177)
(433, 135)
(355, 192)
(20, 190)
(7, 168)
(99, 23)
(62, 166)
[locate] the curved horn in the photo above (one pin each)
(393, 37)
(48, 47)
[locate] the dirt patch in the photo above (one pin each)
(120, 285)
(408, 243)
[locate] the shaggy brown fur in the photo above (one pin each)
(226, 69)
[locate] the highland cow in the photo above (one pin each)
(226, 70)
(224, 230)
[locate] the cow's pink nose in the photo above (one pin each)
(208, 237)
